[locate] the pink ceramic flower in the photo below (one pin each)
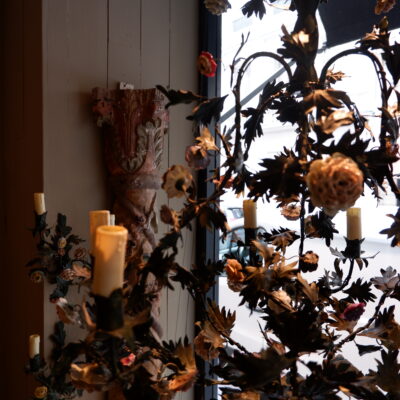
(206, 64)
(353, 312)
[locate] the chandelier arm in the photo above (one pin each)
(381, 74)
(236, 90)
(264, 106)
(246, 63)
(379, 69)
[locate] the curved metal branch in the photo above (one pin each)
(246, 63)
(380, 71)
(236, 90)
(385, 91)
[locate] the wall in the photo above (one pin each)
(79, 45)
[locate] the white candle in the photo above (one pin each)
(354, 224)
(109, 255)
(34, 345)
(112, 219)
(96, 219)
(250, 214)
(38, 200)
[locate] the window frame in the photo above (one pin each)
(207, 241)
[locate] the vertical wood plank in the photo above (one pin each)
(124, 47)
(155, 70)
(183, 75)
(75, 61)
(155, 43)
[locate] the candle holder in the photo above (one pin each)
(34, 364)
(353, 248)
(109, 311)
(40, 223)
(58, 259)
(250, 235)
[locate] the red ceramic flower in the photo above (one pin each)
(128, 360)
(206, 64)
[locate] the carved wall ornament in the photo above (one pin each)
(134, 124)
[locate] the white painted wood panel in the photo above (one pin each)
(124, 42)
(75, 61)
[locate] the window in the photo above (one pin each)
(365, 93)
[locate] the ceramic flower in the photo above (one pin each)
(37, 276)
(217, 7)
(128, 360)
(80, 253)
(206, 64)
(235, 275)
(353, 312)
(90, 376)
(384, 6)
(176, 181)
(291, 212)
(388, 281)
(81, 271)
(62, 242)
(40, 392)
(68, 274)
(334, 183)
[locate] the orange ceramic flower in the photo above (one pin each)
(206, 64)
(235, 275)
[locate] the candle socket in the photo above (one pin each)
(353, 248)
(40, 222)
(35, 364)
(250, 234)
(109, 311)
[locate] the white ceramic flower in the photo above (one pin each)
(177, 180)
(335, 183)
